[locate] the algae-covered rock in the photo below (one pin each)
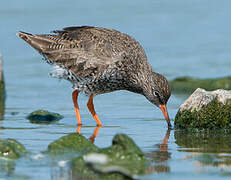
(11, 149)
(205, 110)
(72, 143)
(2, 90)
(189, 84)
(43, 116)
(122, 160)
(126, 153)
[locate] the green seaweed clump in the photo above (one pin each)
(124, 155)
(189, 85)
(72, 143)
(10, 149)
(43, 116)
(214, 115)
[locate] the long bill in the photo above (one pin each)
(165, 113)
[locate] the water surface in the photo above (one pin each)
(180, 38)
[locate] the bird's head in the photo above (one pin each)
(158, 92)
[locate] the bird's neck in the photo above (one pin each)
(141, 82)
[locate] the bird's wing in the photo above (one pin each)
(83, 50)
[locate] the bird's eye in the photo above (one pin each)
(156, 94)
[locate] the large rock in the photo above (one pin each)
(205, 110)
(43, 116)
(2, 90)
(189, 84)
(123, 159)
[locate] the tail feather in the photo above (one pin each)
(47, 45)
(42, 43)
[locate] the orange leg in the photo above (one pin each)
(78, 128)
(91, 108)
(95, 134)
(75, 101)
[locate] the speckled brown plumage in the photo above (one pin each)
(99, 60)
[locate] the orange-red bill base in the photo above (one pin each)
(165, 113)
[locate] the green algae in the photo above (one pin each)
(189, 84)
(11, 149)
(72, 143)
(123, 154)
(214, 115)
(43, 116)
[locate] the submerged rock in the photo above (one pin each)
(122, 160)
(189, 84)
(43, 116)
(72, 143)
(11, 149)
(2, 90)
(205, 110)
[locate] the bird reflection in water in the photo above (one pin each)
(93, 136)
(160, 157)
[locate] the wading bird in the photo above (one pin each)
(99, 60)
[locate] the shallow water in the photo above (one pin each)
(180, 38)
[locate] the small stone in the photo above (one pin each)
(11, 149)
(43, 116)
(72, 143)
(205, 110)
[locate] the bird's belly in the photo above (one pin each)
(104, 82)
(98, 87)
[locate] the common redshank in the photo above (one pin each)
(99, 60)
